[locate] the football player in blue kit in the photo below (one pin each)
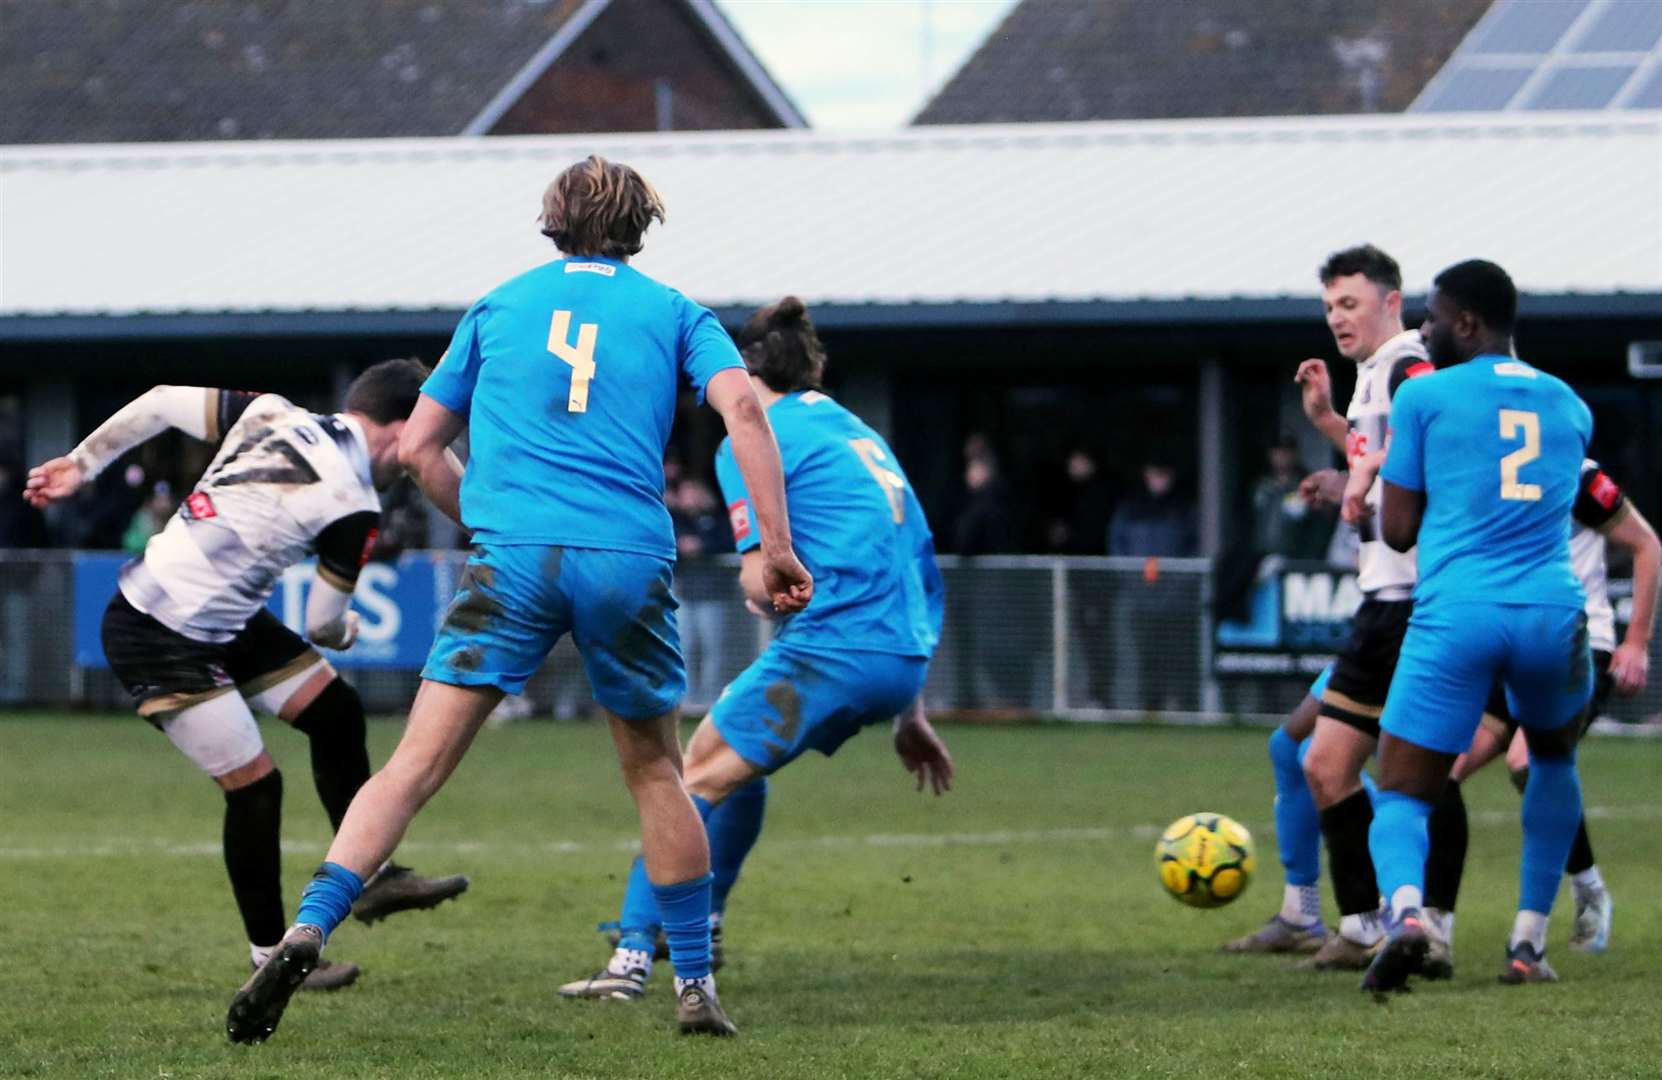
(1482, 467)
(565, 379)
(857, 657)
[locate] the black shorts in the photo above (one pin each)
(1362, 671)
(166, 671)
(1498, 718)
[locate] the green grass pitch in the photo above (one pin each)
(1013, 928)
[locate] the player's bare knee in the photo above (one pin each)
(1330, 777)
(244, 775)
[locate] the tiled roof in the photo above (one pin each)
(90, 71)
(983, 214)
(1153, 59)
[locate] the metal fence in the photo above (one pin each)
(1093, 639)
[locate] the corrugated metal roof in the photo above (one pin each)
(1127, 211)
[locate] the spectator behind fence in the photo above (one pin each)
(1157, 521)
(1283, 523)
(149, 518)
(984, 525)
(1086, 507)
(701, 530)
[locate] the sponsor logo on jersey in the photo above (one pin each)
(1604, 490)
(1356, 444)
(739, 515)
(201, 507)
(603, 269)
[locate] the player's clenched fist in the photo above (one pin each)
(788, 582)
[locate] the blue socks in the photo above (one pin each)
(639, 918)
(1551, 816)
(1398, 842)
(1298, 826)
(329, 896)
(685, 910)
(733, 825)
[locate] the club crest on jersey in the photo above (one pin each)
(201, 507)
(1604, 491)
(738, 514)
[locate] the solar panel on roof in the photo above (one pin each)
(1525, 26)
(1581, 87)
(1649, 95)
(1476, 90)
(1623, 26)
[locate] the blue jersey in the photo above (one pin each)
(856, 526)
(1497, 448)
(568, 376)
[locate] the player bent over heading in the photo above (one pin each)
(857, 657)
(565, 378)
(188, 633)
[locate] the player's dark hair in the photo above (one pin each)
(387, 391)
(599, 207)
(781, 348)
(1366, 260)
(1484, 289)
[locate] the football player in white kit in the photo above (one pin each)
(1601, 513)
(1362, 295)
(189, 635)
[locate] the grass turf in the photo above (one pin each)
(1013, 928)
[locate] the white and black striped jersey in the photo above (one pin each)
(285, 484)
(1598, 502)
(1379, 569)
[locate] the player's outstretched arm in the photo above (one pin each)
(1630, 663)
(190, 409)
(788, 583)
(424, 451)
(1316, 394)
(921, 750)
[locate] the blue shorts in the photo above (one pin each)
(515, 601)
(1319, 687)
(1453, 654)
(792, 700)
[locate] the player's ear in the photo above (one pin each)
(1393, 303)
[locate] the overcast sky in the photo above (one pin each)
(863, 64)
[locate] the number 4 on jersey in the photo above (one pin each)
(579, 356)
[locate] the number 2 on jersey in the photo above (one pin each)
(892, 483)
(1515, 423)
(579, 356)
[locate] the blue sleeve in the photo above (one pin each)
(929, 571)
(1405, 464)
(705, 347)
(452, 381)
(737, 498)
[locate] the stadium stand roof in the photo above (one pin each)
(1155, 59)
(87, 71)
(1176, 222)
